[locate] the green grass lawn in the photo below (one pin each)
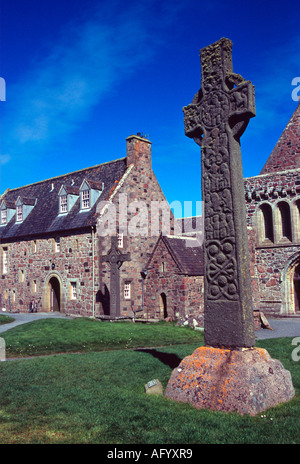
(98, 397)
(48, 336)
(5, 319)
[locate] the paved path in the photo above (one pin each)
(23, 318)
(285, 327)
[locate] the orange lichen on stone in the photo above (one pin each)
(244, 380)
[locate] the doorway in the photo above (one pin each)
(297, 288)
(54, 294)
(163, 305)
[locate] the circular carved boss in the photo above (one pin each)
(215, 109)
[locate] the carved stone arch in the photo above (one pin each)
(52, 277)
(282, 221)
(288, 285)
(265, 223)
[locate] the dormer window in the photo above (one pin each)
(8, 210)
(23, 207)
(85, 199)
(90, 191)
(3, 216)
(63, 204)
(68, 196)
(20, 213)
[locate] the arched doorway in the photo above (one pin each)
(291, 286)
(297, 288)
(163, 305)
(54, 292)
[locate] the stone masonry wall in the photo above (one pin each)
(31, 265)
(273, 258)
(184, 294)
(136, 196)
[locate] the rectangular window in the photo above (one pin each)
(73, 291)
(19, 213)
(57, 245)
(4, 261)
(21, 276)
(3, 216)
(34, 246)
(34, 286)
(120, 240)
(85, 199)
(63, 204)
(127, 290)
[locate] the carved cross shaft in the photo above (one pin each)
(115, 258)
(216, 118)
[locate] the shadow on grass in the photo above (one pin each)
(170, 359)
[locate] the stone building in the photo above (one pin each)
(100, 241)
(56, 254)
(174, 278)
(273, 215)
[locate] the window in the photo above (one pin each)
(297, 221)
(4, 261)
(73, 291)
(85, 199)
(267, 223)
(19, 213)
(34, 286)
(63, 204)
(34, 246)
(3, 216)
(285, 215)
(127, 290)
(57, 245)
(120, 240)
(21, 275)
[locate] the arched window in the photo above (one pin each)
(298, 216)
(298, 206)
(266, 223)
(285, 220)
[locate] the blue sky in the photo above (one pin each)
(83, 76)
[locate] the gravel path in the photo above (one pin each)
(23, 318)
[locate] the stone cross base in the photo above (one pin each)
(247, 381)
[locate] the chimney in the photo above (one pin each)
(139, 151)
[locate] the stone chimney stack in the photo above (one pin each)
(139, 151)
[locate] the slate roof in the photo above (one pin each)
(44, 217)
(189, 259)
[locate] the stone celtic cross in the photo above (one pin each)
(216, 119)
(115, 258)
